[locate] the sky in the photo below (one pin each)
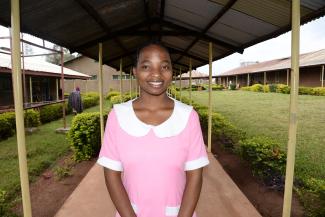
(312, 38)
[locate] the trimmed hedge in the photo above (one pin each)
(51, 112)
(8, 122)
(282, 88)
(84, 135)
(90, 99)
(111, 94)
(32, 118)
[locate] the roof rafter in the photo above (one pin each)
(93, 13)
(161, 17)
(210, 24)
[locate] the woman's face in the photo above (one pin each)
(154, 70)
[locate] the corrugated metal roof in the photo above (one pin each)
(42, 66)
(186, 26)
(308, 59)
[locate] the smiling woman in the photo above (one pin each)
(166, 182)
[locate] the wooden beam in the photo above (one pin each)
(93, 13)
(161, 17)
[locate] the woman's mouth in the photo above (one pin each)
(156, 84)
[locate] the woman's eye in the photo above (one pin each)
(145, 67)
(165, 67)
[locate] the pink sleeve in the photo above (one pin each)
(109, 153)
(197, 155)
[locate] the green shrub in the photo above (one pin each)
(84, 135)
(257, 88)
(319, 91)
(232, 87)
(272, 88)
(246, 88)
(116, 99)
(50, 113)
(3, 204)
(32, 118)
(266, 88)
(7, 125)
(282, 88)
(217, 87)
(312, 195)
(264, 154)
(305, 91)
(112, 93)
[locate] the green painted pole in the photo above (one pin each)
(100, 90)
(210, 98)
(19, 111)
(295, 34)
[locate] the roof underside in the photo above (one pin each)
(183, 26)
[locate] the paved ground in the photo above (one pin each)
(220, 197)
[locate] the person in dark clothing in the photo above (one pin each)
(75, 101)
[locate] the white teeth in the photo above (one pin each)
(156, 83)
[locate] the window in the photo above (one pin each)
(124, 77)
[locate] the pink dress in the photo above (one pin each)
(153, 159)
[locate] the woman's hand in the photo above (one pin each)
(118, 193)
(191, 193)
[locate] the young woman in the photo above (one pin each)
(153, 151)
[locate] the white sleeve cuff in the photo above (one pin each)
(195, 164)
(110, 164)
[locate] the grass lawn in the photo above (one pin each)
(268, 114)
(44, 147)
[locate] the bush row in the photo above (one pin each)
(8, 122)
(266, 158)
(199, 87)
(45, 114)
(282, 88)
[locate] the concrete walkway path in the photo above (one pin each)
(220, 197)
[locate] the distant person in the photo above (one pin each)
(75, 101)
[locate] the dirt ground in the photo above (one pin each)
(267, 201)
(48, 194)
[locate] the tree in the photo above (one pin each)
(56, 58)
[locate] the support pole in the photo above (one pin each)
(227, 83)
(236, 81)
(130, 78)
(19, 111)
(74, 84)
(121, 85)
(190, 69)
(322, 76)
(100, 89)
(210, 98)
(57, 88)
(62, 87)
(31, 89)
(248, 80)
(264, 82)
(288, 77)
(180, 83)
(295, 34)
(24, 74)
(87, 86)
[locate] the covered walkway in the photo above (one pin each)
(219, 197)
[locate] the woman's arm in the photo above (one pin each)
(191, 193)
(118, 194)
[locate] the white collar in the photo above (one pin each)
(130, 123)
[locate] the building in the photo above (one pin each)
(278, 72)
(88, 66)
(41, 82)
(197, 78)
